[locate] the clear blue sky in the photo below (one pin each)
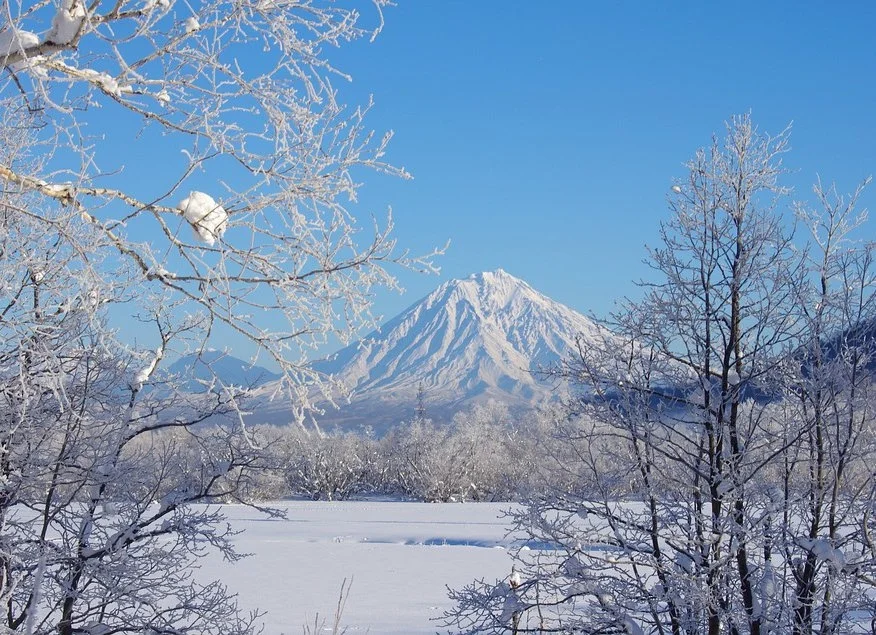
(544, 136)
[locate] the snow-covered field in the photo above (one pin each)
(400, 557)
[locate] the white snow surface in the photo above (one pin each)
(207, 218)
(400, 557)
(469, 341)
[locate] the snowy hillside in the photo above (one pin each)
(468, 341)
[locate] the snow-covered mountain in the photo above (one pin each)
(195, 370)
(469, 340)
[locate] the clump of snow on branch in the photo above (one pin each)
(631, 627)
(15, 40)
(67, 22)
(159, 272)
(515, 580)
(164, 5)
(512, 606)
(824, 550)
(768, 582)
(206, 216)
(192, 25)
(107, 83)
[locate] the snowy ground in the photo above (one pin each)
(400, 556)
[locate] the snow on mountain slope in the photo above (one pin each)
(469, 340)
(198, 370)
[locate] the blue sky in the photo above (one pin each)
(544, 136)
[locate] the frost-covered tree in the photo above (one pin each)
(240, 208)
(823, 545)
(723, 444)
(191, 167)
(423, 464)
(482, 454)
(329, 467)
(98, 533)
(497, 452)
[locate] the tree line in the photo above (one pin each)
(486, 453)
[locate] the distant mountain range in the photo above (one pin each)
(469, 341)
